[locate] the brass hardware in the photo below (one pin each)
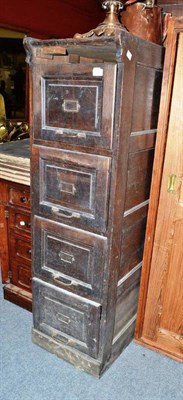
(3, 128)
(111, 23)
(64, 214)
(172, 179)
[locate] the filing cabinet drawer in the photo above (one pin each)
(21, 275)
(74, 187)
(75, 106)
(20, 221)
(18, 197)
(20, 248)
(69, 258)
(66, 318)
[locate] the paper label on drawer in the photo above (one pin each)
(129, 55)
(97, 71)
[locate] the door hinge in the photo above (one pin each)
(6, 213)
(10, 274)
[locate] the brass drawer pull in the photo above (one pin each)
(64, 214)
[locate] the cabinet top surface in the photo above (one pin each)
(110, 49)
(15, 161)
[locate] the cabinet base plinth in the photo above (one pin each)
(18, 296)
(74, 357)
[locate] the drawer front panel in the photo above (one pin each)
(21, 275)
(19, 198)
(70, 258)
(75, 104)
(74, 187)
(67, 318)
(20, 248)
(20, 221)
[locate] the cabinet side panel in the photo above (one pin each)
(4, 258)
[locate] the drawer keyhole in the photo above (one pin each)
(23, 199)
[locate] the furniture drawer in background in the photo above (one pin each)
(67, 318)
(19, 197)
(75, 106)
(20, 221)
(20, 248)
(71, 187)
(21, 275)
(69, 258)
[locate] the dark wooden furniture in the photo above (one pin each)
(160, 312)
(94, 118)
(15, 226)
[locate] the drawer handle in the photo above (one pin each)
(23, 199)
(65, 214)
(57, 278)
(79, 135)
(29, 251)
(22, 223)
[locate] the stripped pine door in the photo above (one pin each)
(163, 318)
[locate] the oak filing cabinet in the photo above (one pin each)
(94, 118)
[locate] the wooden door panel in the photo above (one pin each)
(74, 104)
(163, 322)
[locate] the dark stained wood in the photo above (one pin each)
(75, 187)
(15, 244)
(83, 198)
(160, 320)
(133, 234)
(78, 104)
(139, 180)
(69, 258)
